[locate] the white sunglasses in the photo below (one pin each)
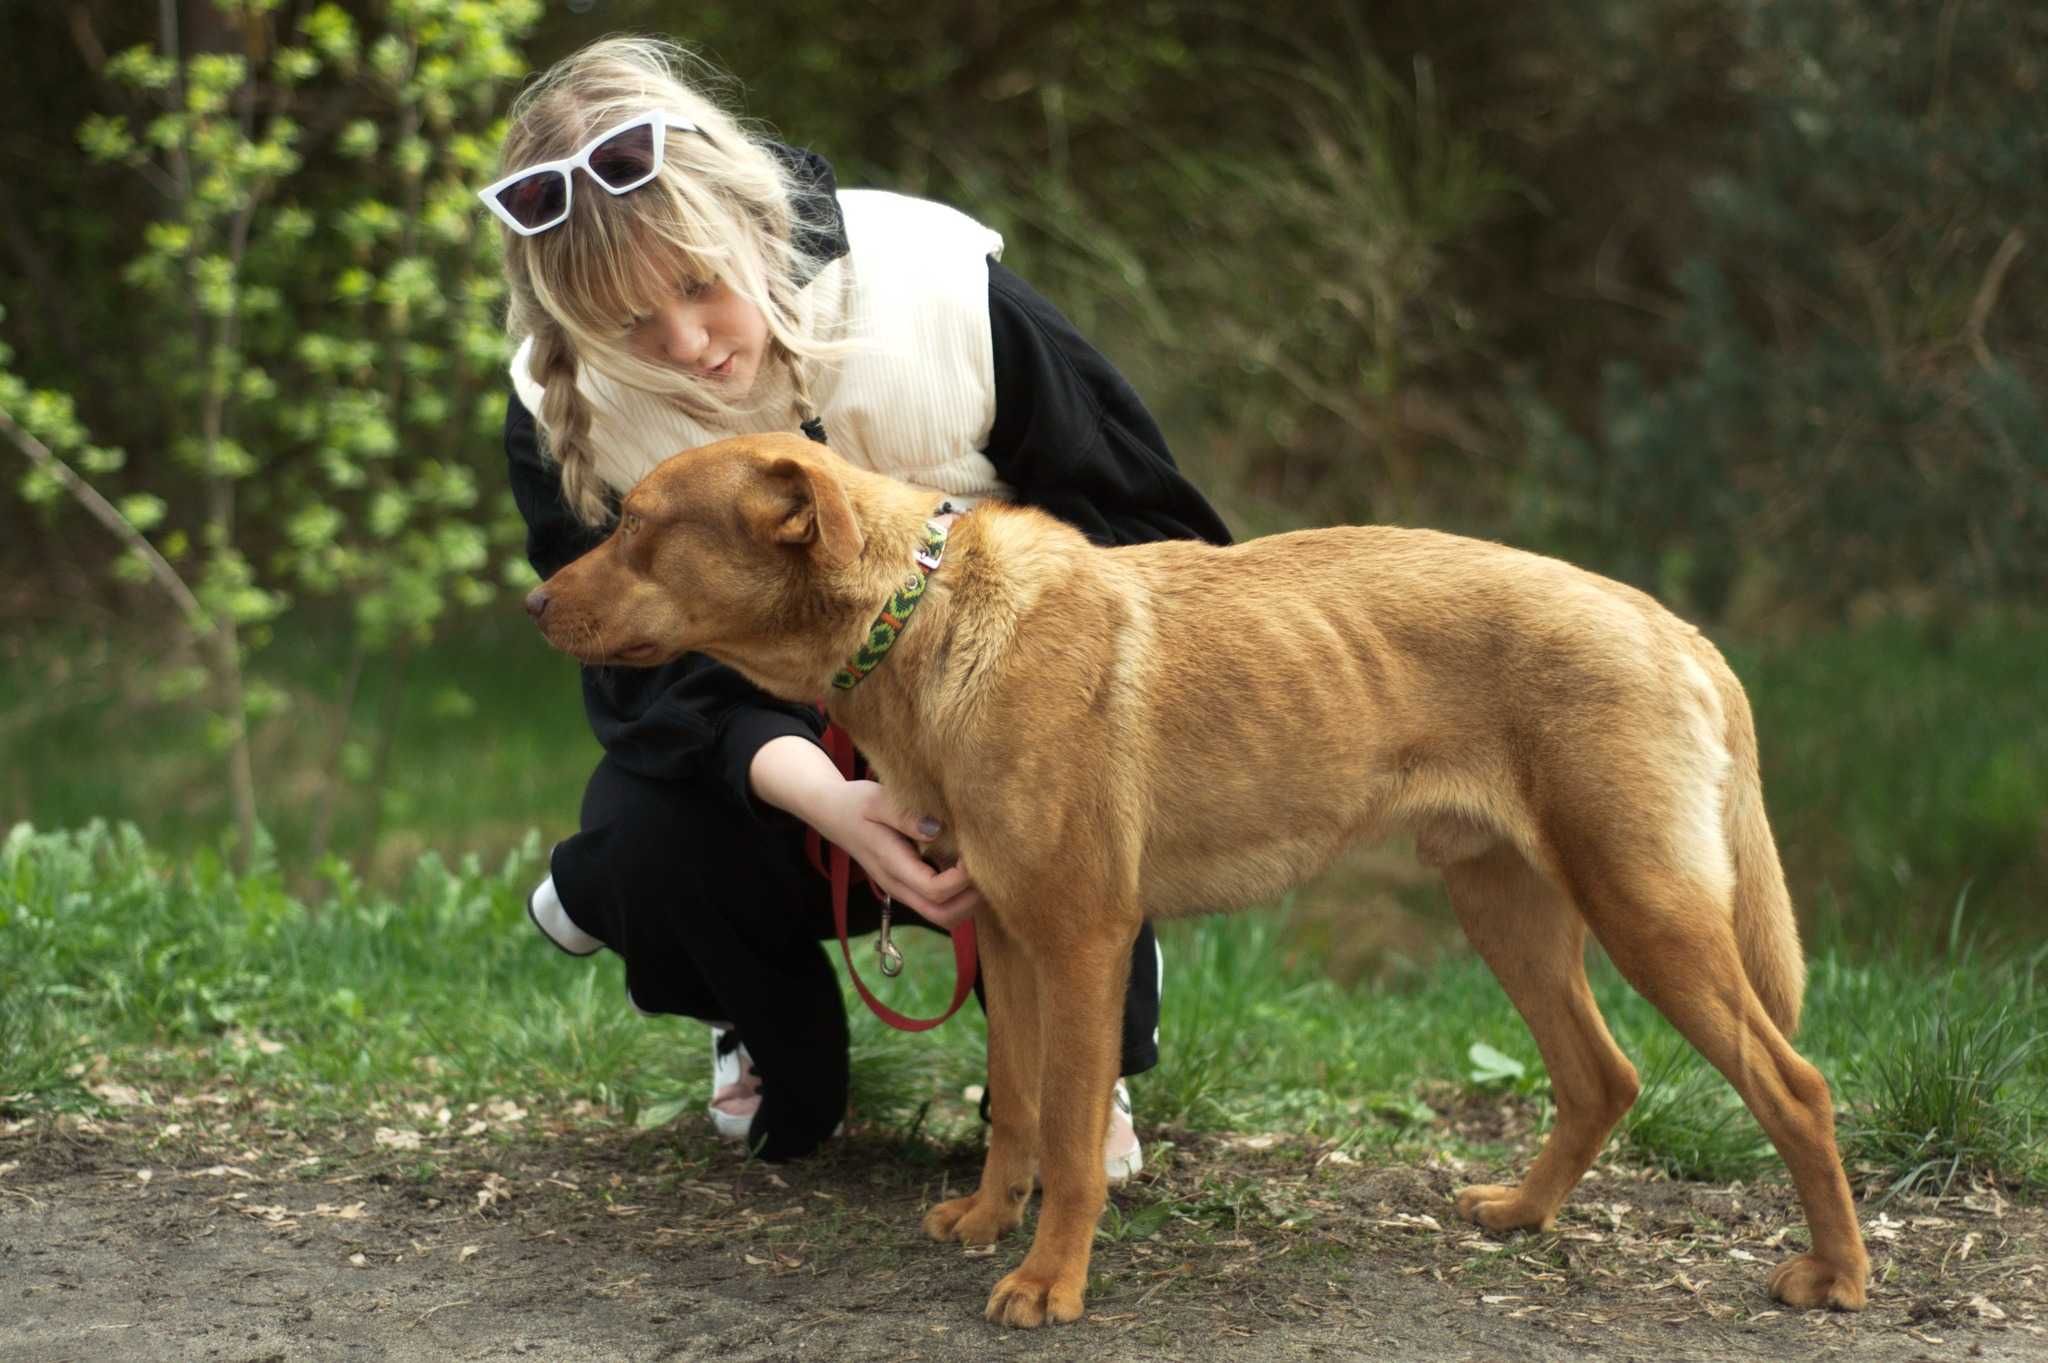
(620, 159)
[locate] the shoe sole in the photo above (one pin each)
(533, 917)
(1121, 1169)
(737, 1129)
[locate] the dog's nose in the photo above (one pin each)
(537, 602)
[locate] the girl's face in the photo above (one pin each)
(705, 329)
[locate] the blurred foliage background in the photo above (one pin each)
(1741, 302)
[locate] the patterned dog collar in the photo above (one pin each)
(888, 626)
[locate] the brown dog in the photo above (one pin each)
(1112, 734)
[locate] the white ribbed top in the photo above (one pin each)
(915, 399)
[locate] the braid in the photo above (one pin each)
(565, 418)
(800, 397)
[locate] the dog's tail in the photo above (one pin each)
(1765, 928)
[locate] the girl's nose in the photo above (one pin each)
(683, 337)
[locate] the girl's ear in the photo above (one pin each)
(807, 505)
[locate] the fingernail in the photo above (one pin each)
(928, 826)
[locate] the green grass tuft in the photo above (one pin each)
(1952, 1090)
(1688, 1120)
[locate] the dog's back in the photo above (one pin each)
(1269, 703)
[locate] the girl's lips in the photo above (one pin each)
(720, 370)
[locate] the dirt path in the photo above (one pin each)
(497, 1236)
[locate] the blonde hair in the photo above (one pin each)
(724, 207)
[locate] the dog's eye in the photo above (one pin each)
(629, 524)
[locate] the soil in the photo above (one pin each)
(500, 1234)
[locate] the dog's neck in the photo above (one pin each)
(808, 632)
(897, 522)
(895, 614)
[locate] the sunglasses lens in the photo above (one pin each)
(537, 199)
(625, 161)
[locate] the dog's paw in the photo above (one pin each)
(1810, 1281)
(1029, 1300)
(971, 1221)
(1500, 1208)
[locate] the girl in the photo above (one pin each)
(674, 280)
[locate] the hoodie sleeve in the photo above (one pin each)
(1071, 435)
(694, 719)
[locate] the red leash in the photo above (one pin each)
(965, 963)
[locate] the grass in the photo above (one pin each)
(1906, 766)
(127, 966)
(1952, 1093)
(486, 740)
(1907, 771)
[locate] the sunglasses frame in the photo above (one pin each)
(567, 166)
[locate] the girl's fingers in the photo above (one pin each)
(948, 883)
(952, 911)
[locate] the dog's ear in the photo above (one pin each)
(807, 505)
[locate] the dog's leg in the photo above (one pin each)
(1675, 943)
(1528, 931)
(1011, 1167)
(1080, 991)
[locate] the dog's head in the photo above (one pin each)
(709, 552)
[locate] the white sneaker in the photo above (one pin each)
(735, 1087)
(1122, 1156)
(544, 907)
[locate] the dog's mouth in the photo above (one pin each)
(591, 652)
(637, 655)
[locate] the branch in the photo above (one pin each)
(109, 515)
(1987, 294)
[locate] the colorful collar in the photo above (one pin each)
(888, 626)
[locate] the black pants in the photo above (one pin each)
(719, 915)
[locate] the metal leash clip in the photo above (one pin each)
(887, 952)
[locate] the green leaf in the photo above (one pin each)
(461, 547)
(389, 58)
(292, 224)
(356, 762)
(295, 65)
(261, 699)
(1491, 1068)
(354, 285)
(1403, 1109)
(142, 68)
(143, 510)
(166, 131)
(661, 1114)
(358, 140)
(452, 702)
(101, 459)
(222, 733)
(181, 683)
(314, 526)
(412, 156)
(131, 567)
(228, 459)
(332, 33)
(250, 605)
(106, 138)
(254, 385)
(388, 512)
(40, 488)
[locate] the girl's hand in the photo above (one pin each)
(863, 818)
(794, 774)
